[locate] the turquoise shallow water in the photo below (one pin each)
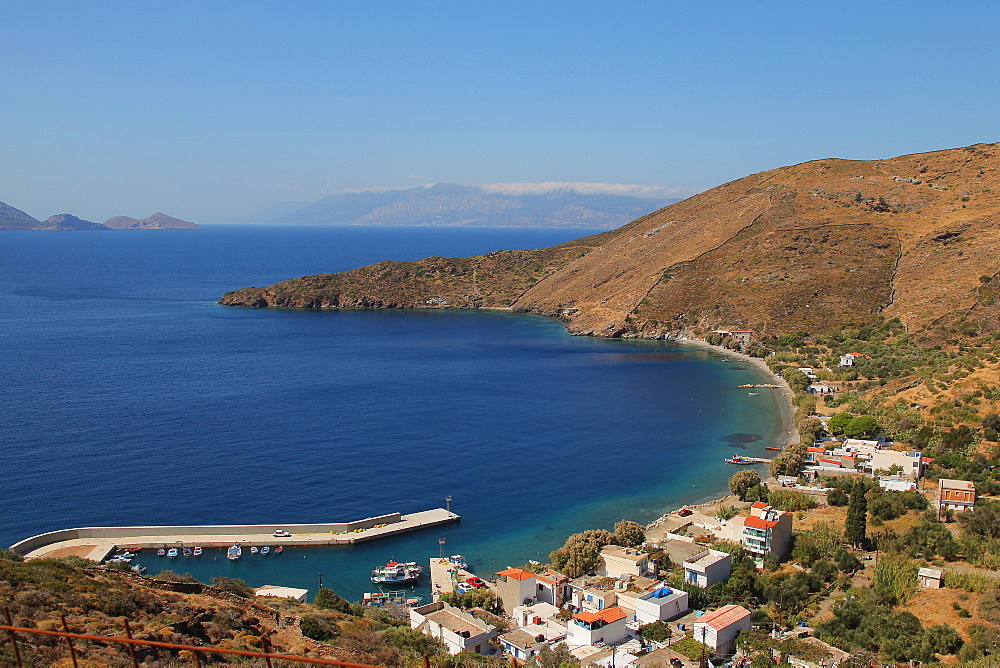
(132, 398)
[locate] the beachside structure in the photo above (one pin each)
(930, 578)
(766, 532)
(298, 595)
(955, 496)
(458, 630)
(591, 628)
(708, 567)
(618, 561)
(719, 629)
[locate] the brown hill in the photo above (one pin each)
(814, 246)
(158, 221)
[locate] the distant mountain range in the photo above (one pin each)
(15, 219)
(449, 204)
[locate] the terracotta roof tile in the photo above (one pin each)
(517, 574)
(724, 617)
(608, 615)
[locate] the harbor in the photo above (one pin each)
(97, 543)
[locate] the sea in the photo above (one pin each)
(130, 397)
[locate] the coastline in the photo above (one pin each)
(786, 416)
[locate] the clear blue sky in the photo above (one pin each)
(208, 109)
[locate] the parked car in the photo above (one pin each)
(281, 533)
(684, 512)
(475, 582)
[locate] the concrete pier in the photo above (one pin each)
(441, 579)
(97, 543)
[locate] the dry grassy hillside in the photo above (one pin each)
(814, 247)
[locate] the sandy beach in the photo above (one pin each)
(787, 417)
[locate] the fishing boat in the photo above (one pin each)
(265, 550)
(397, 573)
(197, 551)
(172, 553)
(458, 560)
(188, 551)
(741, 460)
(380, 598)
(161, 552)
(278, 550)
(771, 447)
(140, 569)
(234, 552)
(253, 549)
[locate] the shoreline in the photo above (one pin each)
(786, 417)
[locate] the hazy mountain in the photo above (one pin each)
(450, 204)
(67, 222)
(158, 221)
(15, 219)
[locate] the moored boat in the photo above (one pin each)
(265, 550)
(198, 551)
(740, 459)
(234, 552)
(397, 573)
(279, 549)
(187, 551)
(172, 553)
(253, 549)
(379, 598)
(161, 552)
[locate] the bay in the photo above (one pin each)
(131, 397)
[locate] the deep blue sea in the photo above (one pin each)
(130, 397)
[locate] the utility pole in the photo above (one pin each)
(447, 501)
(320, 580)
(441, 544)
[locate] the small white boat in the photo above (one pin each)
(197, 551)
(172, 553)
(397, 573)
(161, 552)
(234, 552)
(253, 549)
(265, 549)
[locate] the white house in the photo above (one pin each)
(897, 484)
(955, 495)
(766, 532)
(660, 604)
(590, 628)
(591, 595)
(516, 586)
(708, 567)
(522, 644)
(536, 613)
(930, 578)
(718, 629)
(618, 561)
(458, 630)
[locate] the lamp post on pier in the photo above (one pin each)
(441, 544)
(447, 501)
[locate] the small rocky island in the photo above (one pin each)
(15, 219)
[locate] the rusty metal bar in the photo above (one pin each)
(69, 642)
(13, 637)
(10, 628)
(131, 648)
(266, 645)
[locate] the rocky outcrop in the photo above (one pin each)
(816, 247)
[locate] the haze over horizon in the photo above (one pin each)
(210, 112)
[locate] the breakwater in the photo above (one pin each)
(96, 543)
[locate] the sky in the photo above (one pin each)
(207, 111)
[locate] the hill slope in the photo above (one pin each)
(814, 246)
(450, 204)
(15, 219)
(65, 221)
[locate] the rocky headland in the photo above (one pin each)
(817, 247)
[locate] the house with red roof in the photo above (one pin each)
(589, 628)
(766, 532)
(718, 629)
(516, 586)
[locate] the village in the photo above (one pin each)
(647, 603)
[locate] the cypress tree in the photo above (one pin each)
(857, 516)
